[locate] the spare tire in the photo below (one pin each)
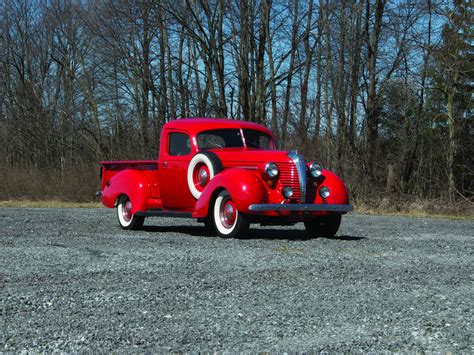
(202, 168)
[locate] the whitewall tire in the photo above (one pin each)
(228, 222)
(202, 168)
(127, 220)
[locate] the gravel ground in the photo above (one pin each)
(71, 280)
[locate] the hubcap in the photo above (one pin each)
(228, 213)
(127, 211)
(202, 177)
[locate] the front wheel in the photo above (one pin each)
(227, 220)
(323, 226)
(126, 219)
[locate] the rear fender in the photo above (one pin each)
(132, 183)
(244, 187)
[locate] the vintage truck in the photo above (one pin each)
(227, 174)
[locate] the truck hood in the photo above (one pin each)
(250, 158)
(291, 166)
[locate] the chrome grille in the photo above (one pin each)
(289, 177)
(300, 164)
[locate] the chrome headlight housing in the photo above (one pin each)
(315, 169)
(287, 192)
(324, 192)
(271, 169)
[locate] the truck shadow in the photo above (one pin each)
(348, 237)
(295, 234)
(253, 233)
(197, 231)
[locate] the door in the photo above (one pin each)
(172, 172)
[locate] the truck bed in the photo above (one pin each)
(149, 167)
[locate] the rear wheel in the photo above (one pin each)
(126, 219)
(323, 226)
(228, 222)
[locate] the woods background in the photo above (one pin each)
(380, 91)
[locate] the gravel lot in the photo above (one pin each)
(71, 280)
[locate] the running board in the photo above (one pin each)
(164, 213)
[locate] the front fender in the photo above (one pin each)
(132, 183)
(244, 187)
(339, 194)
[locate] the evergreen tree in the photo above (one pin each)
(453, 76)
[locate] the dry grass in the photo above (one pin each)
(38, 188)
(47, 204)
(78, 183)
(417, 208)
(417, 214)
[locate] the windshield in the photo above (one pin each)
(231, 138)
(220, 138)
(257, 139)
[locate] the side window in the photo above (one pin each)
(179, 144)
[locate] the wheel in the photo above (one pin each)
(323, 226)
(227, 220)
(124, 213)
(202, 168)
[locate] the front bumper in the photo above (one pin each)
(303, 207)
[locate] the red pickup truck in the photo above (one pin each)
(227, 174)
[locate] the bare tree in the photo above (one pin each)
(363, 85)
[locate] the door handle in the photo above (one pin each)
(165, 164)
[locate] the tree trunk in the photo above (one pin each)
(355, 75)
(294, 44)
(303, 129)
(373, 106)
(453, 136)
(327, 72)
(341, 90)
(319, 74)
(170, 76)
(182, 87)
(271, 79)
(260, 67)
(220, 62)
(244, 82)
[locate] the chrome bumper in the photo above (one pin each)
(303, 207)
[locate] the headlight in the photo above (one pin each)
(324, 192)
(271, 169)
(315, 169)
(287, 192)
